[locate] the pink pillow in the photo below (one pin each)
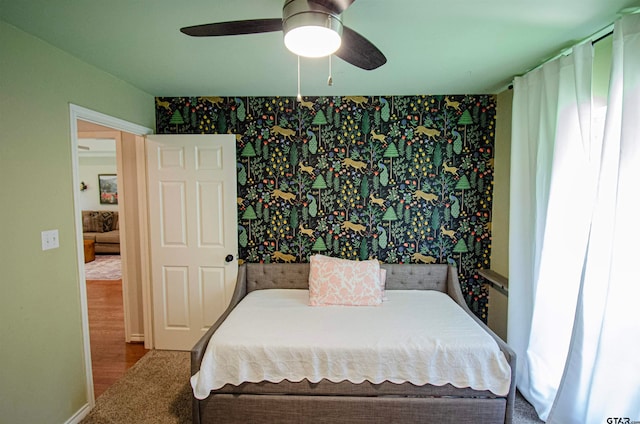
(334, 281)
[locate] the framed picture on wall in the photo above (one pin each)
(108, 184)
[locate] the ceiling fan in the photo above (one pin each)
(312, 28)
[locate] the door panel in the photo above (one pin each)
(210, 216)
(212, 286)
(173, 214)
(192, 227)
(175, 293)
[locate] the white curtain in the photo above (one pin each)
(602, 373)
(549, 217)
(566, 202)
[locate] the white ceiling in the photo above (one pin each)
(432, 47)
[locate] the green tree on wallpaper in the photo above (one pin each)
(329, 113)
(248, 152)
(336, 247)
(186, 113)
(364, 190)
(265, 213)
(476, 111)
(465, 120)
(390, 216)
(319, 184)
(364, 250)
(293, 219)
(435, 219)
(222, 124)
(462, 185)
(293, 155)
(249, 215)
(460, 247)
(233, 119)
(391, 152)
(333, 182)
(327, 241)
(319, 245)
(366, 123)
(319, 120)
(194, 120)
(176, 119)
(437, 157)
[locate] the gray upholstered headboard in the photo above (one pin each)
(296, 276)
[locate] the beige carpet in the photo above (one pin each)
(156, 390)
(104, 267)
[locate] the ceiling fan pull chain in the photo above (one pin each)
(299, 95)
(330, 80)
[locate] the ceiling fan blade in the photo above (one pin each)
(338, 6)
(359, 51)
(251, 26)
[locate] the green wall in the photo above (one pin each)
(501, 186)
(42, 376)
(602, 57)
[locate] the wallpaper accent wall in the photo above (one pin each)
(398, 178)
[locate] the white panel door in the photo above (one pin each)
(192, 231)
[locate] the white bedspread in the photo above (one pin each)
(416, 336)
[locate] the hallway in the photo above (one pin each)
(111, 357)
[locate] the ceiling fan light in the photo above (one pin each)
(312, 41)
(310, 33)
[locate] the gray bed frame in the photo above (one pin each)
(345, 402)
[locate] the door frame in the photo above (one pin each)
(80, 113)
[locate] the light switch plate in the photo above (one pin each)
(50, 240)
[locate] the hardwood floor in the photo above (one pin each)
(111, 357)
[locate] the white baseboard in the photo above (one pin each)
(79, 415)
(136, 338)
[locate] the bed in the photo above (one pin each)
(375, 399)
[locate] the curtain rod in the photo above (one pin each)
(593, 38)
(597, 40)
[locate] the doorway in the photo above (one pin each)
(116, 306)
(111, 354)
